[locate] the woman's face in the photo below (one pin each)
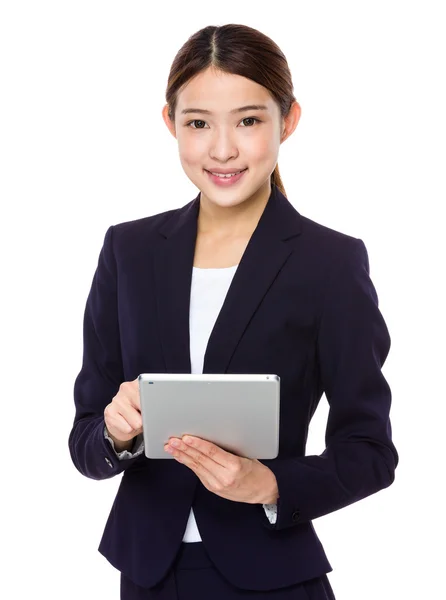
(218, 136)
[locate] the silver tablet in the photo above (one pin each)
(239, 413)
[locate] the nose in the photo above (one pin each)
(223, 146)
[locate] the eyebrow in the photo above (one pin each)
(235, 110)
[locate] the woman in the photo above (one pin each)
(235, 281)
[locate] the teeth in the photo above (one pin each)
(228, 175)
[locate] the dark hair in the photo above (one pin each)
(236, 49)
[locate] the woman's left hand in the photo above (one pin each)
(225, 474)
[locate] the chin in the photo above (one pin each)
(232, 196)
(233, 201)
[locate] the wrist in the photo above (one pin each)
(271, 490)
(271, 499)
(120, 445)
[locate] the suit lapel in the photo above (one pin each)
(265, 254)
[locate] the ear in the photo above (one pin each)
(170, 124)
(289, 123)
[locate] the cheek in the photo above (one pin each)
(261, 148)
(191, 151)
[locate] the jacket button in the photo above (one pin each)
(109, 462)
(296, 516)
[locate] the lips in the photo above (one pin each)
(224, 182)
(238, 171)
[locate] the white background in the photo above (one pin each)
(83, 146)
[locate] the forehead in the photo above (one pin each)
(221, 92)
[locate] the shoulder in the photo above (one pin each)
(326, 236)
(144, 226)
(330, 247)
(318, 241)
(138, 235)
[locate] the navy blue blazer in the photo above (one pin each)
(301, 305)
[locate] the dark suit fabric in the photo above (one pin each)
(301, 305)
(194, 577)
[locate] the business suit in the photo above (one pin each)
(301, 305)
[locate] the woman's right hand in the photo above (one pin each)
(123, 415)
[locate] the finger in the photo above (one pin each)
(118, 423)
(135, 395)
(126, 416)
(134, 418)
(132, 415)
(211, 451)
(130, 391)
(203, 462)
(209, 479)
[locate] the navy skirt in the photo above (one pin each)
(194, 577)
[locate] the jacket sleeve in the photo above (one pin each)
(136, 449)
(100, 376)
(360, 458)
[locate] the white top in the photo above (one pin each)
(208, 291)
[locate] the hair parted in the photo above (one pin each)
(239, 50)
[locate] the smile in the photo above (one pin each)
(225, 180)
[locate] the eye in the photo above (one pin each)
(200, 121)
(195, 121)
(250, 119)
